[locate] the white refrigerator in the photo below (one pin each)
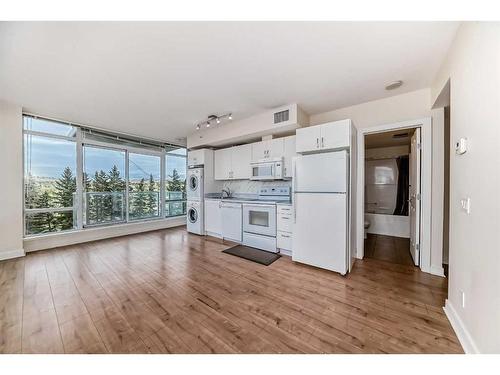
(320, 198)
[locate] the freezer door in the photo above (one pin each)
(321, 173)
(320, 231)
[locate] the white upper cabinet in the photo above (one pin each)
(324, 137)
(240, 162)
(336, 135)
(270, 149)
(233, 163)
(308, 139)
(222, 159)
(288, 154)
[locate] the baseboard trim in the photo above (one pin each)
(11, 254)
(461, 331)
(438, 271)
(53, 240)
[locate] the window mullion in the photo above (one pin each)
(162, 185)
(127, 155)
(79, 179)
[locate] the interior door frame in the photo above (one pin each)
(425, 124)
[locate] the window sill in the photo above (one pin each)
(50, 240)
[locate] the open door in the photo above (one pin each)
(414, 201)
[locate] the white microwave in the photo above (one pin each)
(268, 169)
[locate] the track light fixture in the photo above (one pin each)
(210, 120)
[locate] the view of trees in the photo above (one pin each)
(104, 199)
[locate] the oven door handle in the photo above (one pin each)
(259, 205)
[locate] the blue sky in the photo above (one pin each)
(46, 157)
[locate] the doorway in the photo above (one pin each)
(422, 242)
(392, 196)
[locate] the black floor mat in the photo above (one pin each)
(255, 255)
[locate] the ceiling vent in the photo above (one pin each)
(281, 116)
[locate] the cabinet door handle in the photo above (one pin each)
(322, 142)
(317, 142)
(285, 236)
(285, 218)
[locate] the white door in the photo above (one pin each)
(321, 173)
(241, 157)
(335, 135)
(414, 201)
(213, 217)
(222, 160)
(320, 231)
(307, 139)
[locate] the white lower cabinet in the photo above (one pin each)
(284, 232)
(213, 218)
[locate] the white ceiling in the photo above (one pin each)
(158, 79)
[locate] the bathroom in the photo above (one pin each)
(389, 172)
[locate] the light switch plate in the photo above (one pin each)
(465, 203)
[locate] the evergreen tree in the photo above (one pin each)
(139, 203)
(31, 191)
(65, 187)
(175, 183)
(42, 222)
(116, 183)
(116, 200)
(152, 197)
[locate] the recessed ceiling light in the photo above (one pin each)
(394, 85)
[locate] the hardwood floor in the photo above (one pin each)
(388, 248)
(172, 292)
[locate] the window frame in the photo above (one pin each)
(28, 211)
(80, 142)
(184, 198)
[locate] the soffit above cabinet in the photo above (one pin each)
(279, 121)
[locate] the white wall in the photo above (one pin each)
(409, 106)
(11, 196)
(473, 67)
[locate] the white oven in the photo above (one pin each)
(267, 170)
(259, 226)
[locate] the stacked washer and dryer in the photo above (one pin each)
(200, 181)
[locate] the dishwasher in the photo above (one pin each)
(232, 221)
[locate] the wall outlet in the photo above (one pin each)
(463, 298)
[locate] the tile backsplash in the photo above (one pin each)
(252, 187)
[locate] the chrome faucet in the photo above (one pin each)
(227, 191)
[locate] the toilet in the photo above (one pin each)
(367, 225)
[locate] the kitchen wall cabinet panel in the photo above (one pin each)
(223, 164)
(233, 163)
(213, 218)
(308, 139)
(241, 157)
(325, 137)
(289, 146)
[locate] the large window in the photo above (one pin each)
(175, 182)
(49, 176)
(76, 178)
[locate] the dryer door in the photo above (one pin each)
(192, 215)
